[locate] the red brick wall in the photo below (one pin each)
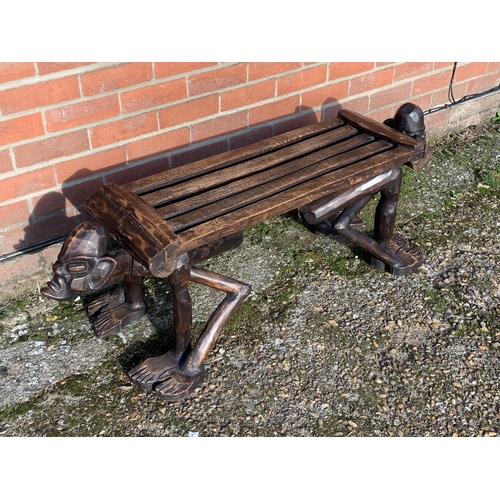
(67, 128)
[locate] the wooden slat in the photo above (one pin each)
(285, 201)
(255, 194)
(135, 225)
(253, 181)
(370, 126)
(228, 174)
(222, 160)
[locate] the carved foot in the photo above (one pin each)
(411, 259)
(163, 375)
(178, 385)
(106, 301)
(111, 320)
(153, 370)
(110, 312)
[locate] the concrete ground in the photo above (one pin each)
(324, 346)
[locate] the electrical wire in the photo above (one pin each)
(451, 97)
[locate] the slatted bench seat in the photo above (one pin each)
(168, 222)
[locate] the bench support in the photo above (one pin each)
(178, 372)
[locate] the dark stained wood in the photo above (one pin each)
(286, 201)
(283, 183)
(136, 226)
(222, 160)
(241, 170)
(366, 124)
(253, 181)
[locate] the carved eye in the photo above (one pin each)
(77, 267)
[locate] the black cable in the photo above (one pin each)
(451, 97)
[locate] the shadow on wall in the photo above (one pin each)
(57, 213)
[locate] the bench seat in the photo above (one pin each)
(193, 205)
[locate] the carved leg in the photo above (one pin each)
(388, 252)
(184, 378)
(153, 370)
(385, 219)
(178, 372)
(112, 311)
(157, 369)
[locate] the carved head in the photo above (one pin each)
(409, 119)
(81, 265)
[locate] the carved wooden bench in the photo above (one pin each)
(167, 223)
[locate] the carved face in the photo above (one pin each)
(81, 265)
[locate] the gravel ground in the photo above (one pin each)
(324, 346)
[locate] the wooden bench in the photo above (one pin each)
(167, 223)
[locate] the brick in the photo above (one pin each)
(188, 111)
(11, 71)
(158, 144)
(381, 114)
(20, 129)
(76, 194)
(357, 104)
(437, 119)
(493, 66)
(424, 101)
(5, 161)
(441, 97)
(49, 204)
(440, 65)
(431, 83)
(82, 113)
(325, 94)
(296, 122)
(259, 70)
(115, 77)
(218, 126)
(166, 69)
(90, 164)
(124, 129)
(26, 183)
(39, 94)
(302, 79)
(249, 137)
(390, 96)
(468, 71)
(330, 110)
(217, 79)
(249, 94)
(199, 153)
(154, 95)
(277, 109)
(39, 231)
(371, 81)
(411, 69)
(51, 148)
(379, 64)
(14, 213)
(138, 171)
(44, 68)
(483, 83)
(345, 69)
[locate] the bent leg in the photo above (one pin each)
(180, 380)
(153, 370)
(385, 219)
